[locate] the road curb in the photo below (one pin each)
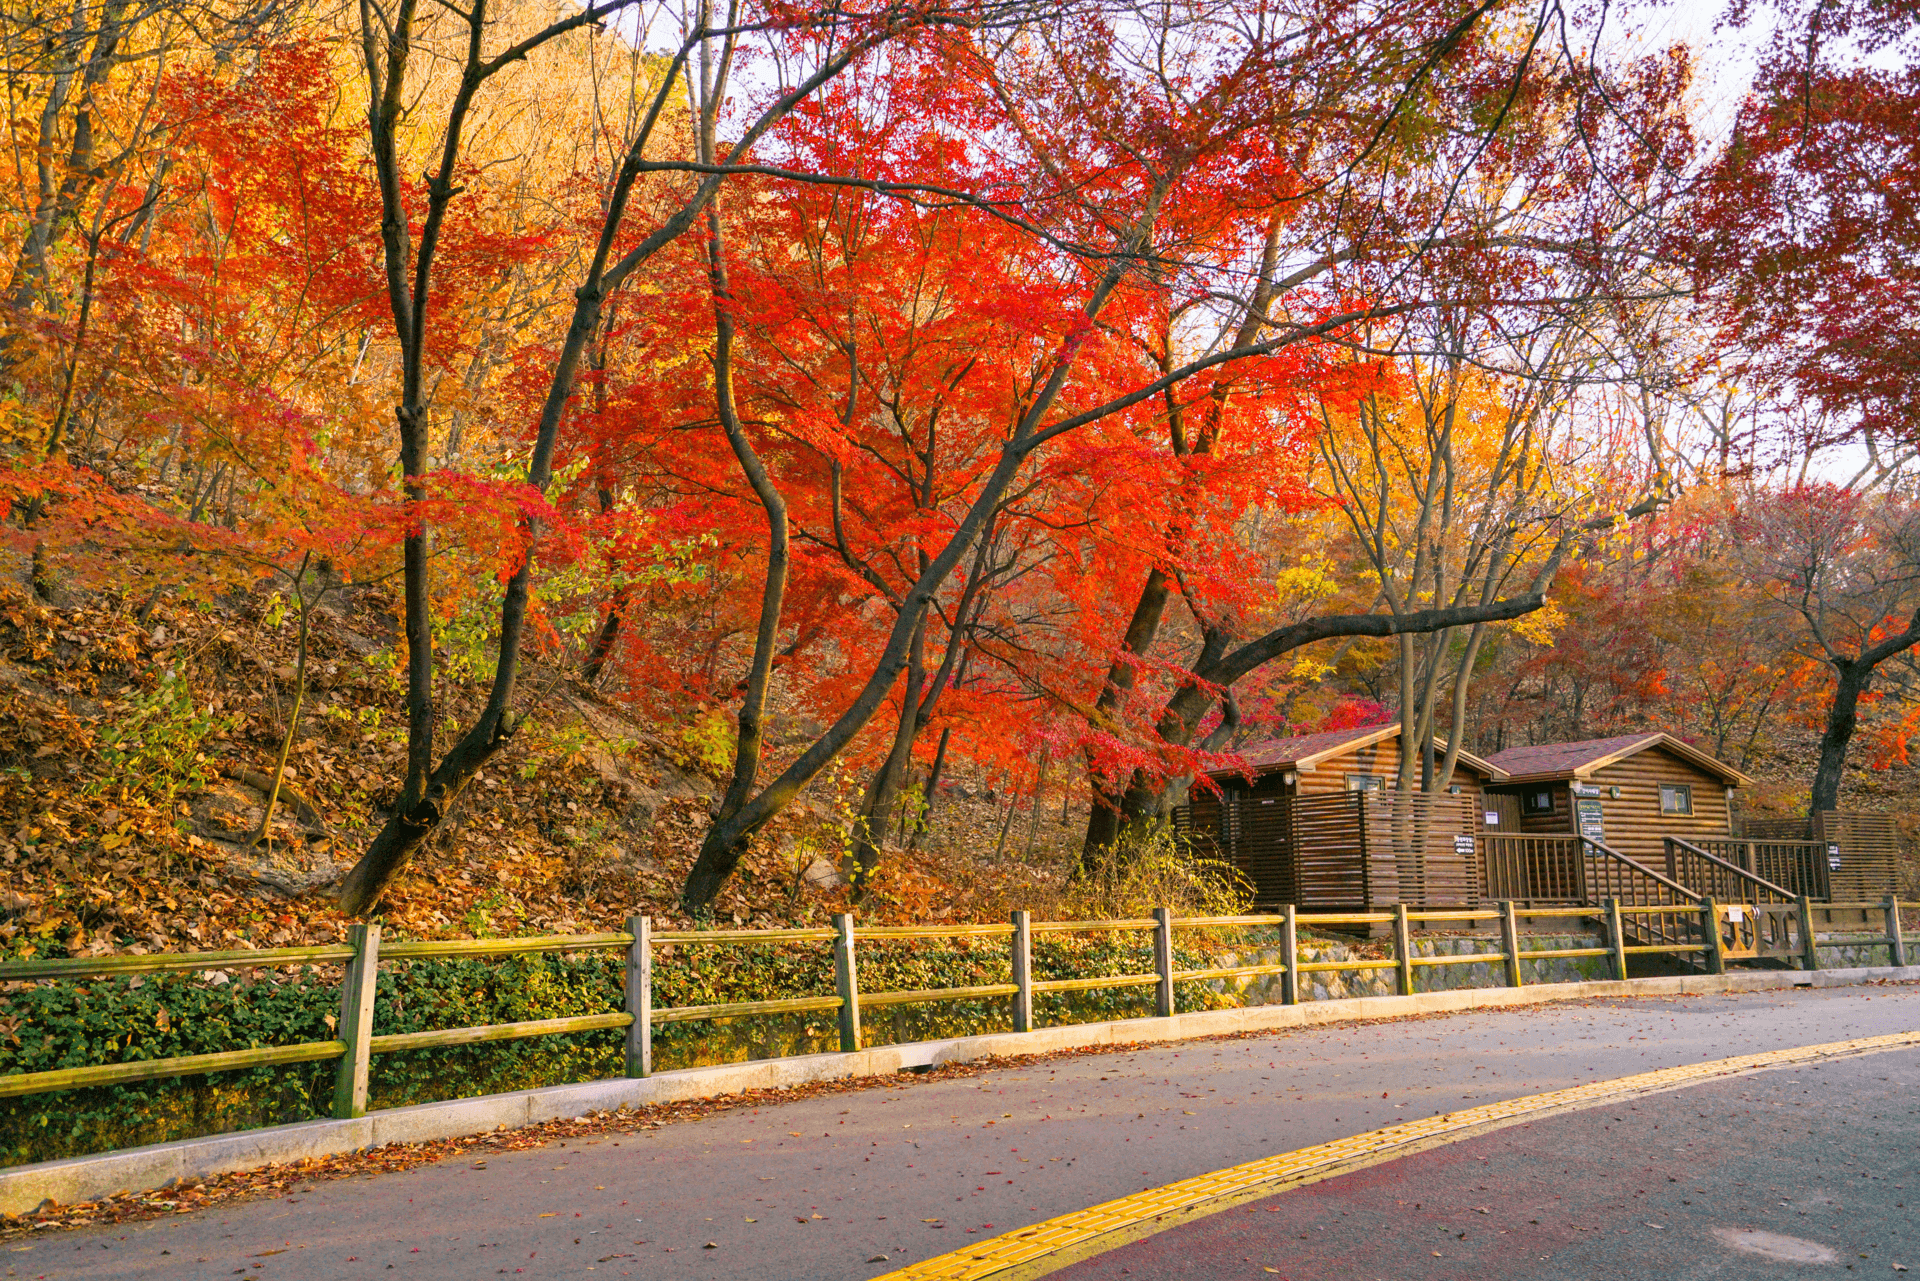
(26, 1188)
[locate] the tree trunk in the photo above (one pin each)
(932, 789)
(1104, 816)
(1842, 715)
(883, 790)
(724, 845)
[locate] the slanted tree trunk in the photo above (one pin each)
(1852, 679)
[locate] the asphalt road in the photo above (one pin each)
(1808, 1171)
(819, 1188)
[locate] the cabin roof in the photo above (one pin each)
(1545, 762)
(1303, 752)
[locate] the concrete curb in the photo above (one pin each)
(25, 1188)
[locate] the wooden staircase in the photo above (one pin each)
(1758, 920)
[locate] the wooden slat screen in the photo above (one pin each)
(1418, 836)
(1342, 851)
(1869, 854)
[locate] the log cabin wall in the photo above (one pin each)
(1557, 821)
(1377, 760)
(1505, 806)
(1380, 760)
(1635, 824)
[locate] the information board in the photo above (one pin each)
(1591, 826)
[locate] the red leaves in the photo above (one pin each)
(1806, 229)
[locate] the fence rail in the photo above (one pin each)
(1654, 924)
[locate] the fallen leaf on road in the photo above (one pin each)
(549, 1214)
(711, 1245)
(878, 1258)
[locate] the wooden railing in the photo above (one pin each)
(1707, 874)
(1534, 869)
(1797, 867)
(1635, 919)
(1611, 874)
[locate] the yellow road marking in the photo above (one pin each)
(1047, 1247)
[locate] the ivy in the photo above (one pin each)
(75, 1024)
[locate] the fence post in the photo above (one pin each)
(1809, 944)
(1896, 941)
(1510, 941)
(846, 982)
(1163, 961)
(356, 1020)
(1716, 948)
(1617, 936)
(640, 996)
(1290, 944)
(1403, 947)
(1023, 972)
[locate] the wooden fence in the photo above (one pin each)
(1345, 851)
(1857, 854)
(362, 953)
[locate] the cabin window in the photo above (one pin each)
(1676, 798)
(1537, 802)
(1366, 783)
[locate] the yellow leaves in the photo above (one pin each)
(1310, 669)
(1309, 581)
(1541, 626)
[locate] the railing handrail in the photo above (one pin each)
(1686, 894)
(1786, 895)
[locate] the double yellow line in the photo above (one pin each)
(1056, 1243)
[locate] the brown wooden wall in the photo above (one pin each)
(1507, 806)
(1344, 852)
(1380, 759)
(1633, 821)
(1636, 827)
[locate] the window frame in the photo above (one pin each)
(1367, 783)
(1681, 792)
(1528, 806)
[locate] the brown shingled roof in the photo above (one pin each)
(1544, 761)
(1304, 751)
(1303, 748)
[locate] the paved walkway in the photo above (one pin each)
(820, 1188)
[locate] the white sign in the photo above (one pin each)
(1493, 818)
(1736, 912)
(1585, 789)
(1463, 845)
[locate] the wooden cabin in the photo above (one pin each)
(1365, 759)
(1320, 824)
(1629, 793)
